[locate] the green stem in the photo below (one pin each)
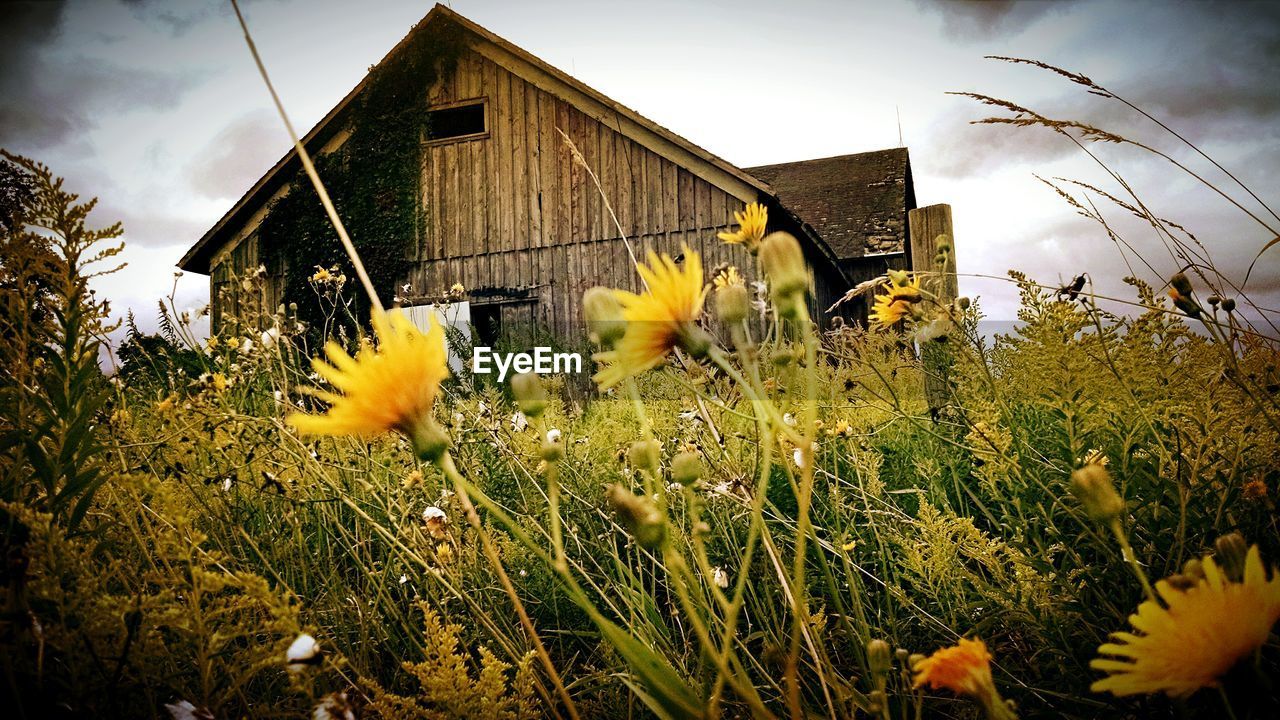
(491, 552)
(1126, 551)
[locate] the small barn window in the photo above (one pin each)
(457, 122)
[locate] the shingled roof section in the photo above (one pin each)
(857, 203)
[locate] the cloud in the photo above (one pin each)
(176, 18)
(54, 86)
(1205, 69)
(970, 150)
(237, 156)
(984, 19)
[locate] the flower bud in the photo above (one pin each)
(783, 260)
(645, 455)
(1229, 304)
(1230, 551)
(603, 313)
(695, 340)
(686, 468)
(878, 652)
(552, 451)
(429, 441)
(733, 303)
(530, 396)
(639, 515)
(1092, 486)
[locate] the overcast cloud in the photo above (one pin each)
(155, 107)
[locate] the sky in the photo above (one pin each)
(155, 107)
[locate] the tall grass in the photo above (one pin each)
(776, 525)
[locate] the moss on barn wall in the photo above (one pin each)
(373, 178)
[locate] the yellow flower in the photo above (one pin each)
(658, 320)
(751, 223)
(1095, 457)
(321, 275)
(1255, 489)
(1194, 636)
(727, 278)
(219, 381)
(891, 307)
(390, 387)
(964, 669)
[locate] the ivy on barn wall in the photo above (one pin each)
(373, 179)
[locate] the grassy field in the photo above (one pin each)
(772, 522)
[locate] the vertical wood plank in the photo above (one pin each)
(685, 195)
(929, 228)
(702, 204)
(532, 120)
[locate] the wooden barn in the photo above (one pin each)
(503, 208)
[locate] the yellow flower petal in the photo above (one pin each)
(657, 319)
(392, 386)
(1195, 636)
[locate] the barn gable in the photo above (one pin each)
(507, 211)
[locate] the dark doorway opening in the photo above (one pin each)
(487, 321)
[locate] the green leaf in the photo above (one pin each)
(668, 695)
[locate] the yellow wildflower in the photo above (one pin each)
(1194, 636)
(1255, 489)
(321, 275)
(1095, 457)
(219, 381)
(964, 669)
(658, 320)
(728, 277)
(842, 429)
(891, 307)
(732, 301)
(412, 480)
(751, 224)
(390, 387)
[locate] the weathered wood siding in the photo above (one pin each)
(511, 215)
(228, 296)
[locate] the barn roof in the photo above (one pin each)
(856, 203)
(659, 139)
(847, 206)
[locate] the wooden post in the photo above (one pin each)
(930, 229)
